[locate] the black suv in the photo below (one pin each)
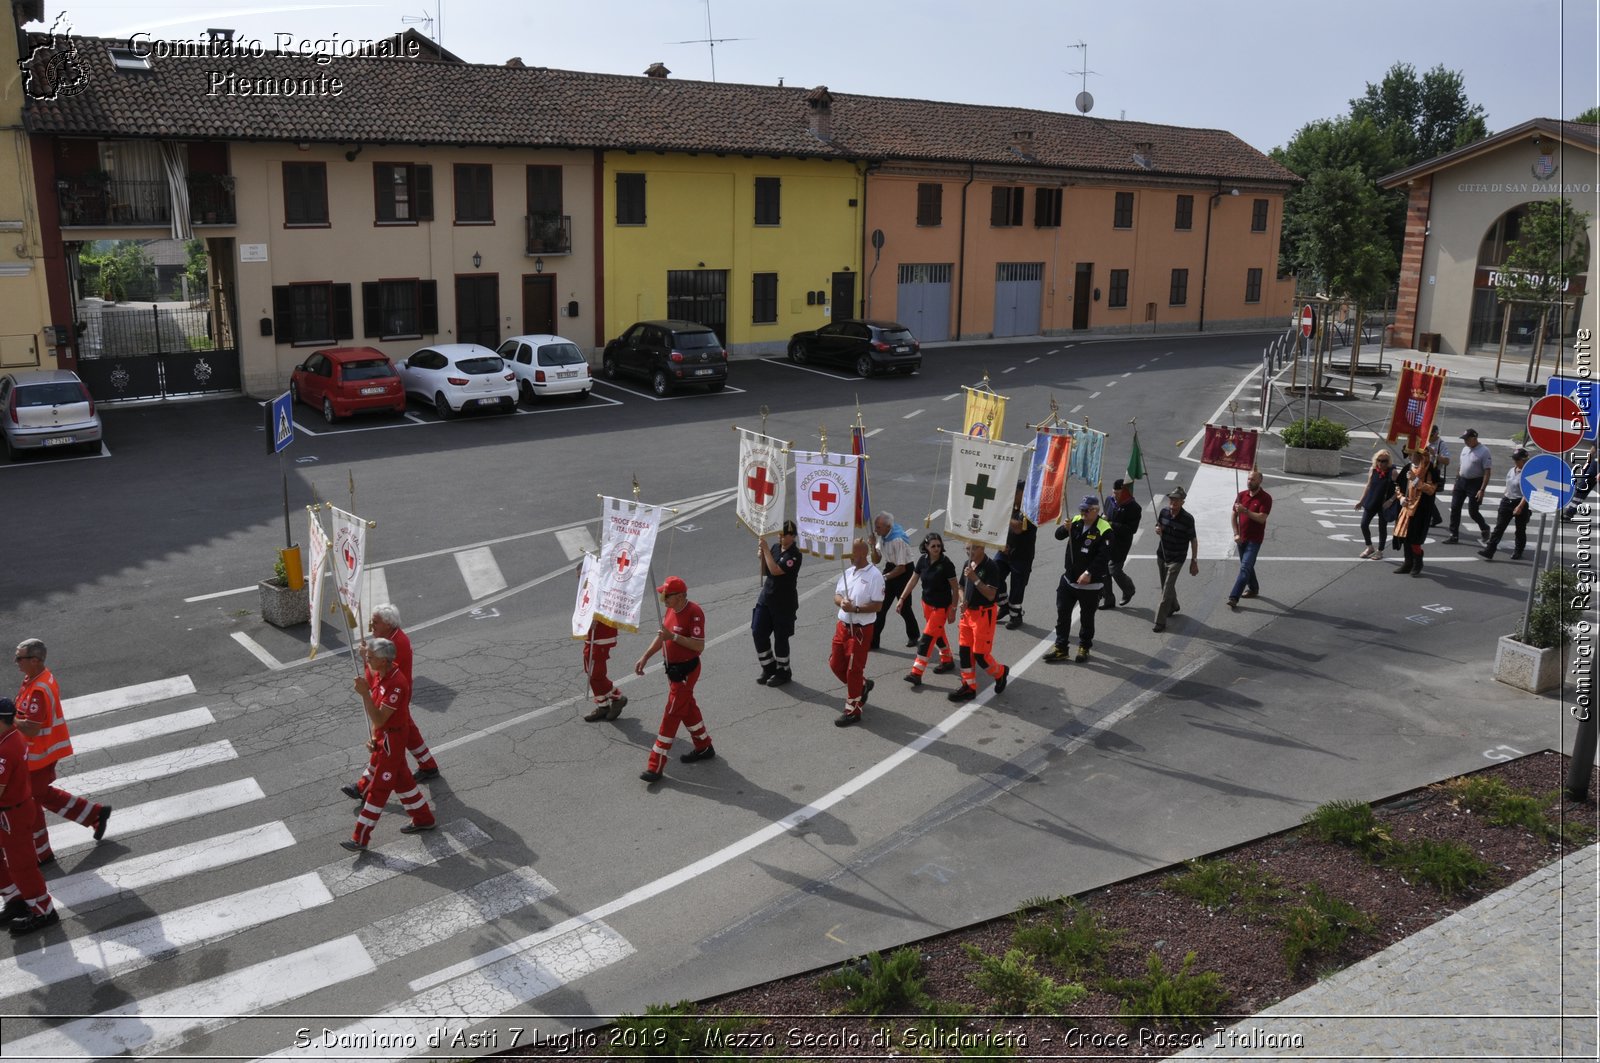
(668, 354)
(868, 347)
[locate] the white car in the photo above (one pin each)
(547, 365)
(47, 408)
(456, 377)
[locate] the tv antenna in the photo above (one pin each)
(711, 41)
(425, 20)
(1084, 102)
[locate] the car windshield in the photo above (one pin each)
(57, 393)
(896, 335)
(371, 369)
(697, 341)
(560, 354)
(481, 366)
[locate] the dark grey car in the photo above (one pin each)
(868, 347)
(668, 354)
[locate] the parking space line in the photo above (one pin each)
(256, 650)
(807, 369)
(105, 452)
(727, 389)
(481, 572)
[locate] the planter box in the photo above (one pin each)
(1527, 667)
(1311, 462)
(282, 607)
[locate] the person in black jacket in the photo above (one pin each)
(1016, 559)
(1124, 513)
(1088, 554)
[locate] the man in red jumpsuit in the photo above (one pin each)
(608, 700)
(28, 905)
(858, 594)
(682, 639)
(386, 625)
(40, 719)
(386, 696)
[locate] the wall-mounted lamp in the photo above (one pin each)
(700, 265)
(350, 156)
(304, 145)
(477, 260)
(538, 265)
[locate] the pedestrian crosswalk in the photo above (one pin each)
(151, 904)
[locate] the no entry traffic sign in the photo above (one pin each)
(1556, 424)
(1308, 320)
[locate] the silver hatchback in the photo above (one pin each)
(47, 409)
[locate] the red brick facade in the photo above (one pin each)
(1405, 318)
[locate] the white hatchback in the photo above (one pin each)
(547, 365)
(456, 377)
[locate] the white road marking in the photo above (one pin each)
(935, 515)
(157, 767)
(258, 651)
(1030, 361)
(727, 389)
(910, 415)
(377, 587)
(947, 398)
(219, 594)
(172, 723)
(86, 890)
(481, 572)
(575, 542)
(411, 852)
(126, 697)
(872, 432)
(807, 369)
(1210, 502)
(1171, 476)
(133, 819)
(457, 912)
(1127, 374)
(1096, 395)
(1111, 383)
(1007, 369)
(1075, 409)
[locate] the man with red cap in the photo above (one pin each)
(385, 624)
(386, 697)
(681, 640)
(28, 905)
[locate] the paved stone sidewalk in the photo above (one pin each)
(1511, 977)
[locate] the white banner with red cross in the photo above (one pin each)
(983, 478)
(349, 558)
(759, 501)
(317, 542)
(588, 592)
(824, 502)
(627, 541)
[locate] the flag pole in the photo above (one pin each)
(1149, 485)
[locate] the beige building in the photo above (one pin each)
(24, 292)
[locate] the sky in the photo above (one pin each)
(1260, 70)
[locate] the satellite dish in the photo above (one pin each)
(1084, 102)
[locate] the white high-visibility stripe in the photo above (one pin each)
(141, 1024)
(84, 890)
(504, 987)
(377, 589)
(125, 697)
(135, 945)
(157, 767)
(155, 727)
(481, 572)
(575, 542)
(134, 819)
(454, 913)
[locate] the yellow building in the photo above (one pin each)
(25, 314)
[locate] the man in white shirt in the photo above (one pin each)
(1513, 511)
(858, 595)
(1472, 476)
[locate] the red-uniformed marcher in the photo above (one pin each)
(27, 902)
(858, 594)
(608, 700)
(386, 625)
(386, 697)
(682, 639)
(39, 717)
(980, 583)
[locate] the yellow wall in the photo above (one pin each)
(700, 214)
(24, 299)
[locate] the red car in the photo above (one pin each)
(341, 381)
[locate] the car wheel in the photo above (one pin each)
(442, 405)
(797, 353)
(527, 393)
(659, 382)
(608, 367)
(864, 365)
(294, 392)
(327, 411)
(717, 385)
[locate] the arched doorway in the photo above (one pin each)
(1488, 312)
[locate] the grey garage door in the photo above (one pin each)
(1018, 295)
(923, 303)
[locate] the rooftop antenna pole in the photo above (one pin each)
(1084, 102)
(711, 42)
(426, 20)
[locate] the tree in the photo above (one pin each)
(1591, 116)
(1312, 211)
(1422, 117)
(196, 267)
(1551, 248)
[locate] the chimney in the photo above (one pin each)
(657, 70)
(1144, 154)
(515, 60)
(1022, 142)
(215, 34)
(819, 113)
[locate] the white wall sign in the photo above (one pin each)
(252, 252)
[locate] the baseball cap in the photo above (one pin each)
(1471, 433)
(674, 585)
(8, 709)
(789, 528)
(1089, 502)
(1179, 493)
(1519, 454)
(1119, 485)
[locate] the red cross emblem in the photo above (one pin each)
(349, 559)
(824, 497)
(623, 561)
(760, 486)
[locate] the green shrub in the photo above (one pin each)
(1320, 926)
(879, 986)
(1221, 884)
(1183, 999)
(1349, 823)
(1449, 867)
(1319, 433)
(675, 1031)
(1502, 806)
(1069, 936)
(1018, 988)
(1557, 605)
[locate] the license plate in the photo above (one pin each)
(489, 402)
(901, 350)
(59, 441)
(704, 372)
(567, 375)
(374, 391)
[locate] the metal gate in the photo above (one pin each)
(701, 296)
(153, 351)
(922, 300)
(1018, 296)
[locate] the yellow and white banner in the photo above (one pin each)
(588, 594)
(983, 480)
(760, 501)
(628, 533)
(349, 558)
(986, 413)
(317, 543)
(824, 502)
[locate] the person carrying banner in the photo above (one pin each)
(937, 575)
(1175, 536)
(41, 721)
(891, 547)
(1417, 490)
(1089, 550)
(681, 640)
(386, 697)
(1250, 510)
(772, 620)
(385, 624)
(858, 594)
(1016, 560)
(1124, 514)
(28, 907)
(597, 646)
(980, 585)
(1513, 511)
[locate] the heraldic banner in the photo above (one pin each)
(588, 594)
(1231, 448)
(824, 502)
(628, 533)
(1088, 447)
(317, 541)
(1047, 477)
(986, 413)
(1416, 400)
(349, 558)
(760, 496)
(983, 478)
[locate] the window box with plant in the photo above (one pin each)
(1313, 447)
(1530, 658)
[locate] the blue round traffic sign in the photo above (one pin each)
(1546, 474)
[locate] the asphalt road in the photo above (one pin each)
(561, 886)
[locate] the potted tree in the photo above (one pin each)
(1530, 659)
(285, 598)
(1312, 446)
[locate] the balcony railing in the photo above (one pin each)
(99, 200)
(549, 234)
